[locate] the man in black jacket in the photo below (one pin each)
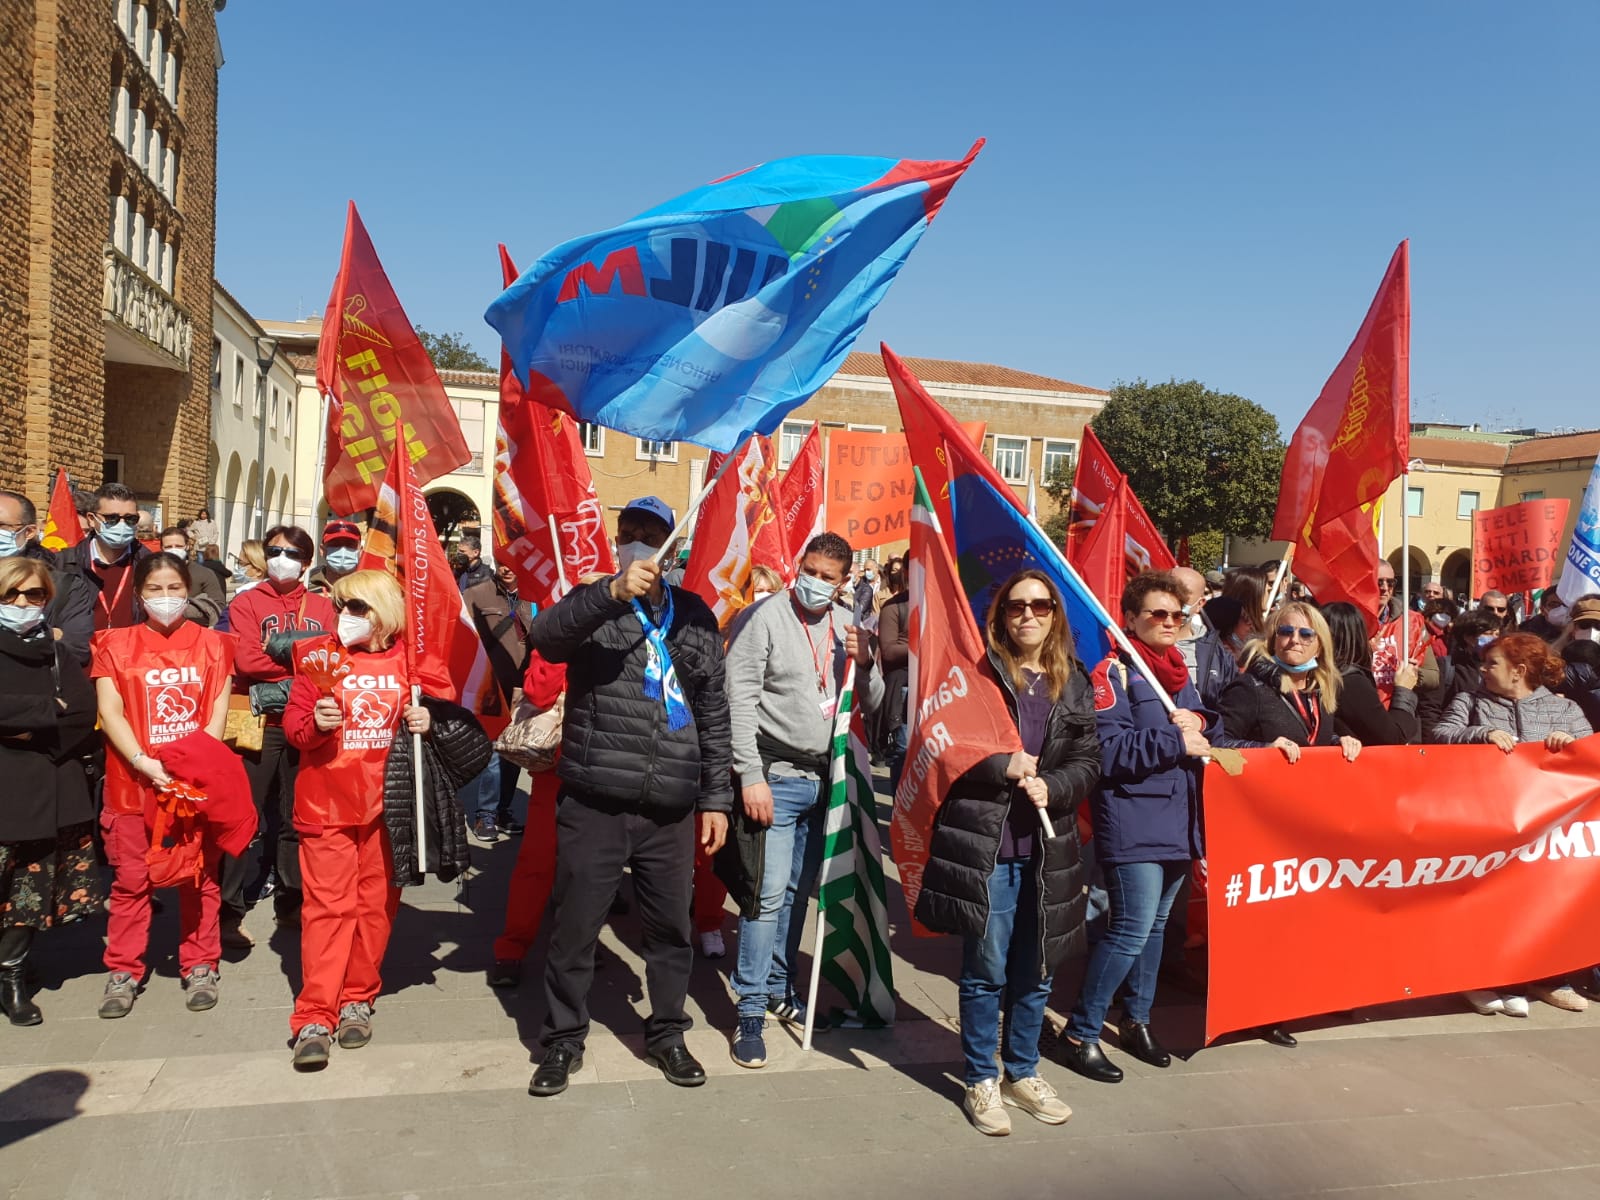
(646, 746)
(71, 613)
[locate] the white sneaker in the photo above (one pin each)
(1516, 1006)
(1036, 1098)
(711, 944)
(984, 1109)
(1487, 1003)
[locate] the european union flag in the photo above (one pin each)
(712, 316)
(994, 540)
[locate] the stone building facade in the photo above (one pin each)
(108, 133)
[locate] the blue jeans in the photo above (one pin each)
(769, 944)
(1141, 896)
(480, 795)
(900, 742)
(1000, 972)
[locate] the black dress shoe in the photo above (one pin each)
(1088, 1060)
(1278, 1036)
(1138, 1041)
(551, 1077)
(678, 1065)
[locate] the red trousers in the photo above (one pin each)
(710, 893)
(535, 870)
(128, 927)
(345, 921)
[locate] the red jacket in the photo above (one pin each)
(340, 781)
(543, 682)
(229, 814)
(257, 614)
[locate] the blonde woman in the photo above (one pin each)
(253, 563)
(345, 857)
(1288, 687)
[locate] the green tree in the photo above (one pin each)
(1200, 461)
(451, 352)
(1058, 486)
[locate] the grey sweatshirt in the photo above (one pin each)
(772, 682)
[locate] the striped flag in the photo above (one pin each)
(855, 955)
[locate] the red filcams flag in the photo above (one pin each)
(62, 527)
(800, 495)
(380, 382)
(738, 526)
(1100, 556)
(1096, 484)
(540, 472)
(444, 655)
(1352, 444)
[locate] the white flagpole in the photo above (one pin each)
(417, 773)
(555, 545)
(1033, 498)
(694, 506)
(841, 722)
(1278, 583)
(1405, 566)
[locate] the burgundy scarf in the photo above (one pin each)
(1171, 672)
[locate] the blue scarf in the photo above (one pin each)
(660, 680)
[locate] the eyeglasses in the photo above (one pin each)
(1039, 608)
(112, 518)
(1386, 583)
(356, 608)
(13, 526)
(1498, 612)
(285, 552)
(1164, 616)
(1301, 633)
(33, 595)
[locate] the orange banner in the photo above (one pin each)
(1518, 548)
(1414, 871)
(869, 487)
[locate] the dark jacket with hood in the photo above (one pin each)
(1256, 712)
(616, 749)
(72, 609)
(1362, 715)
(967, 832)
(47, 716)
(1582, 683)
(455, 750)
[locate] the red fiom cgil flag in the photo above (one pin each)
(800, 495)
(62, 526)
(738, 526)
(380, 382)
(1096, 485)
(540, 471)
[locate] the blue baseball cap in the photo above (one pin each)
(655, 507)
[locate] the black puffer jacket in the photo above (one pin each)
(616, 744)
(966, 836)
(455, 751)
(1255, 712)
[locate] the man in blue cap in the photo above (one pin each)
(646, 769)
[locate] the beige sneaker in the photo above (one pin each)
(1563, 996)
(984, 1110)
(1036, 1098)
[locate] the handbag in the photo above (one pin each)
(532, 738)
(245, 729)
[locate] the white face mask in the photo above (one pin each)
(20, 618)
(354, 631)
(166, 610)
(763, 594)
(284, 568)
(629, 553)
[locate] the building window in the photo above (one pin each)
(1011, 458)
(1466, 505)
(593, 438)
(125, 16)
(216, 365)
(791, 436)
(272, 413)
(238, 381)
(1060, 459)
(111, 469)
(1539, 495)
(470, 414)
(1413, 502)
(288, 419)
(657, 451)
(854, 428)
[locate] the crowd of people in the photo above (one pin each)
(253, 737)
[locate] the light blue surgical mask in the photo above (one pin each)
(21, 618)
(1309, 665)
(814, 594)
(115, 536)
(343, 559)
(10, 544)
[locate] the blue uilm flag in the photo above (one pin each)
(1580, 576)
(994, 540)
(712, 316)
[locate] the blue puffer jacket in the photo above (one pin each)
(1147, 805)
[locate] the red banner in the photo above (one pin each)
(1518, 548)
(1413, 871)
(381, 382)
(62, 526)
(800, 498)
(738, 526)
(1096, 484)
(540, 472)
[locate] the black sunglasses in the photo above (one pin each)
(356, 608)
(1165, 616)
(113, 518)
(285, 552)
(33, 595)
(1304, 634)
(1586, 623)
(1039, 608)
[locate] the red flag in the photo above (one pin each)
(444, 654)
(1100, 557)
(1351, 445)
(940, 447)
(1095, 482)
(540, 472)
(738, 525)
(956, 712)
(800, 494)
(380, 383)
(62, 527)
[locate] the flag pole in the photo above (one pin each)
(694, 507)
(1277, 584)
(1405, 565)
(555, 545)
(319, 482)
(841, 721)
(417, 776)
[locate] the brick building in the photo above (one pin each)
(108, 138)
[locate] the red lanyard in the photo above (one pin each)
(1310, 714)
(116, 599)
(817, 651)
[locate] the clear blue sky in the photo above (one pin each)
(1169, 189)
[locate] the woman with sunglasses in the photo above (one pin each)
(282, 605)
(156, 682)
(48, 873)
(1146, 815)
(1014, 897)
(345, 855)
